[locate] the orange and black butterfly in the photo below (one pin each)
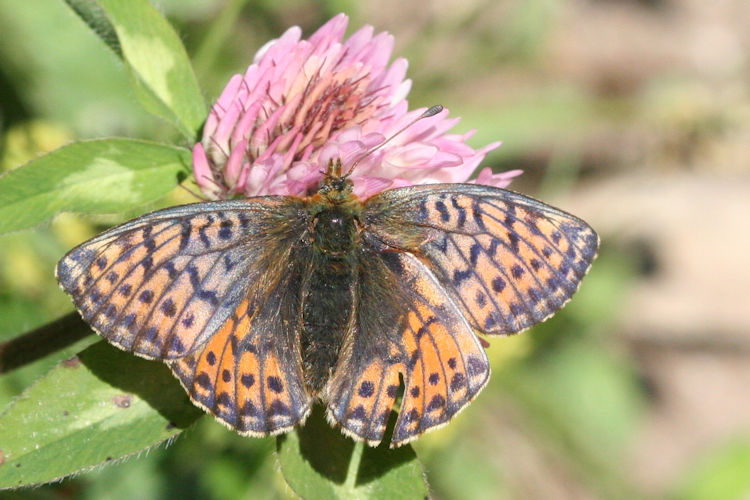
(262, 305)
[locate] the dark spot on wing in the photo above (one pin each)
(459, 276)
(476, 212)
(553, 283)
(444, 215)
(208, 296)
(366, 389)
(461, 212)
(275, 384)
(247, 380)
(147, 262)
(128, 320)
(278, 408)
(414, 358)
(168, 308)
(359, 413)
(244, 220)
(171, 270)
(225, 231)
(195, 280)
(516, 271)
(474, 252)
(146, 296)
(187, 321)
(110, 311)
(185, 233)
(203, 380)
(457, 381)
(224, 400)
(436, 402)
(249, 409)
(476, 366)
(516, 309)
(176, 346)
(412, 416)
(513, 239)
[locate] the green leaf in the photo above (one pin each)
(162, 76)
(100, 406)
(100, 176)
(319, 462)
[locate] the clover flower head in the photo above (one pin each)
(302, 103)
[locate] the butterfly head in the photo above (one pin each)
(336, 187)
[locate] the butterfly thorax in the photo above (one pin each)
(334, 212)
(334, 233)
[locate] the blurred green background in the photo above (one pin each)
(632, 114)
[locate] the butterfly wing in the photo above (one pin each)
(206, 287)
(162, 284)
(404, 324)
(507, 260)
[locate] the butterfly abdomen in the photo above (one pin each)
(327, 300)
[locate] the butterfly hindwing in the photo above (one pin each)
(507, 260)
(162, 284)
(405, 324)
(249, 374)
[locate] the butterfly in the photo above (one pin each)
(262, 305)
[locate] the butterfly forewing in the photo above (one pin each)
(507, 260)
(162, 284)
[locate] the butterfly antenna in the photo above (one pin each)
(200, 197)
(431, 111)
